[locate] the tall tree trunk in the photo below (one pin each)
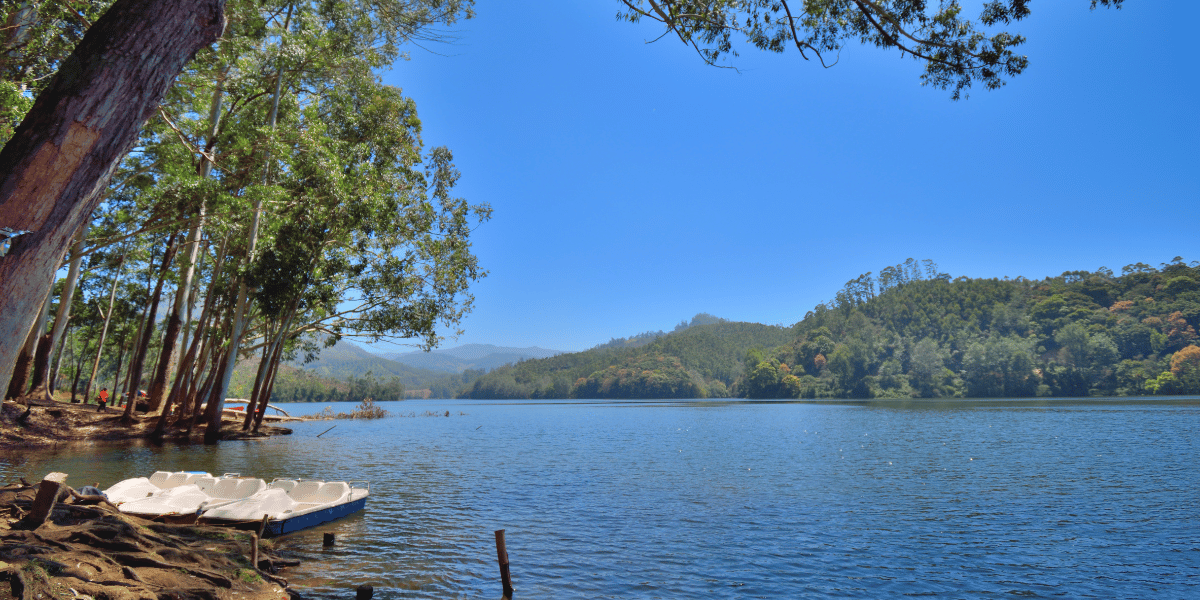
(139, 355)
(193, 398)
(262, 387)
(213, 432)
(216, 401)
(158, 386)
(118, 375)
(52, 383)
(212, 354)
(112, 298)
(61, 156)
(24, 366)
(41, 363)
(214, 379)
(266, 398)
(260, 377)
(265, 395)
(184, 373)
(158, 389)
(123, 376)
(79, 371)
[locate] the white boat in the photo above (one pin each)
(192, 498)
(291, 505)
(145, 487)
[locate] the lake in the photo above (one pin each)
(731, 499)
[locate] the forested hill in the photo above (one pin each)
(912, 332)
(917, 333)
(697, 361)
(350, 363)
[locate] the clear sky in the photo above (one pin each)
(634, 186)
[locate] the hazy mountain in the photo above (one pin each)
(346, 359)
(696, 361)
(483, 357)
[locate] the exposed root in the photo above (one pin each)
(94, 550)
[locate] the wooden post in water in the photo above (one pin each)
(254, 550)
(502, 556)
(327, 540)
(364, 592)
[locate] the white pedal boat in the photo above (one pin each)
(145, 487)
(291, 505)
(192, 498)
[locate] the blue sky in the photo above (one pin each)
(634, 186)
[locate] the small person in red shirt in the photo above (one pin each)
(103, 400)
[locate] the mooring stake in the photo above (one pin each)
(262, 527)
(328, 540)
(364, 592)
(502, 556)
(254, 550)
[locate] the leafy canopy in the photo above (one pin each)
(956, 51)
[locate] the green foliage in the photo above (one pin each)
(305, 177)
(642, 376)
(764, 381)
(911, 333)
(35, 37)
(710, 352)
(1000, 367)
(957, 50)
(914, 332)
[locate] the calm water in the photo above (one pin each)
(734, 499)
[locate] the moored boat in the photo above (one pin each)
(290, 505)
(145, 487)
(186, 501)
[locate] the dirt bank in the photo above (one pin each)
(94, 552)
(50, 423)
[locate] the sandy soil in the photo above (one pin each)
(94, 552)
(50, 423)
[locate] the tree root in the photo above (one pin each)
(131, 560)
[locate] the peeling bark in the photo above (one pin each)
(60, 158)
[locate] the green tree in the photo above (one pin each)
(927, 362)
(763, 381)
(957, 50)
(999, 367)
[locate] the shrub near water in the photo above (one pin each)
(365, 410)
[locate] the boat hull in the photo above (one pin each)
(314, 518)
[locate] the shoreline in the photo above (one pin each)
(47, 424)
(84, 550)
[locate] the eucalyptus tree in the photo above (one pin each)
(43, 382)
(352, 214)
(55, 165)
(220, 183)
(378, 247)
(35, 37)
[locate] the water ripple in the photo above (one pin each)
(736, 499)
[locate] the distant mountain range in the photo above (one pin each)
(480, 357)
(346, 359)
(441, 371)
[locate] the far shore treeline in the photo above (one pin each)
(912, 332)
